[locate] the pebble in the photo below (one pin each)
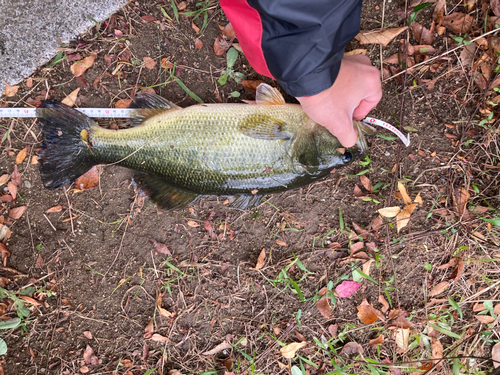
(387, 153)
(27, 184)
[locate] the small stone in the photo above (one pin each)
(27, 184)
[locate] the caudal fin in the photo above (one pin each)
(64, 154)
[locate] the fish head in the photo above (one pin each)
(332, 154)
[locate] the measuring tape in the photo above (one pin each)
(129, 112)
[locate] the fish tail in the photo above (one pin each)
(363, 129)
(65, 153)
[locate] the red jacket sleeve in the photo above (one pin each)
(299, 43)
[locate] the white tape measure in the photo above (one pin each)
(128, 112)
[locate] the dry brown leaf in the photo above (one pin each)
(87, 334)
(260, 260)
(281, 243)
(421, 34)
(149, 63)
(496, 309)
(366, 313)
(21, 155)
(222, 44)
(71, 98)
(324, 307)
(195, 28)
(439, 10)
(84, 369)
(228, 31)
(401, 336)
(33, 301)
(123, 103)
(355, 247)
(418, 199)
(352, 348)
(219, 348)
(358, 51)
(376, 224)
(367, 266)
(150, 328)
(389, 211)
(288, 351)
(402, 190)
(485, 319)
(439, 288)
(376, 341)
(90, 357)
(54, 209)
(495, 355)
(458, 23)
(251, 84)
(468, 54)
(460, 199)
(495, 7)
(17, 212)
(357, 191)
(79, 67)
(193, 224)
(12, 189)
(332, 329)
(10, 90)
(366, 183)
(383, 37)
(385, 304)
(159, 338)
(4, 178)
(198, 43)
(437, 351)
(403, 218)
(160, 247)
(88, 180)
(164, 312)
(166, 63)
(361, 231)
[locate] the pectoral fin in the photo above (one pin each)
(264, 127)
(149, 105)
(245, 201)
(267, 95)
(163, 193)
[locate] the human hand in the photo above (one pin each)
(354, 93)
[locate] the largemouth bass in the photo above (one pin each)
(181, 154)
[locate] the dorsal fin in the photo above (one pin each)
(149, 105)
(267, 95)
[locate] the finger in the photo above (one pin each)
(363, 109)
(345, 133)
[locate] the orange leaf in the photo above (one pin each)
(166, 64)
(260, 260)
(385, 304)
(123, 103)
(33, 301)
(485, 319)
(366, 313)
(402, 190)
(71, 98)
(79, 67)
(193, 224)
(281, 243)
(149, 63)
(460, 199)
(54, 209)
(87, 181)
(439, 288)
(228, 31)
(17, 212)
(198, 43)
(21, 155)
(366, 182)
(222, 44)
(12, 189)
(195, 28)
(251, 84)
(376, 341)
(10, 90)
(324, 307)
(4, 178)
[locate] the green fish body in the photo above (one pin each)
(181, 154)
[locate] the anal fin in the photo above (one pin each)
(163, 193)
(245, 201)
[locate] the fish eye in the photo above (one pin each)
(347, 157)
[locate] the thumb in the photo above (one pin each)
(345, 131)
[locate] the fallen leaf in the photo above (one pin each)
(228, 31)
(376, 341)
(79, 67)
(439, 288)
(288, 351)
(347, 288)
(332, 329)
(198, 43)
(195, 28)
(352, 348)
(260, 260)
(418, 199)
(402, 190)
(385, 304)
(149, 18)
(459, 23)
(149, 63)
(84, 369)
(164, 312)
(88, 180)
(222, 44)
(401, 336)
(54, 209)
(219, 348)
(324, 307)
(87, 334)
(159, 338)
(468, 54)
(193, 224)
(160, 247)
(4, 178)
(17, 212)
(12, 189)
(403, 218)
(437, 351)
(29, 82)
(358, 51)
(366, 182)
(383, 37)
(376, 224)
(166, 64)
(123, 103)
(367, 265)
(421, 34)
(89, 356)
(21, 155)
(357, 191)
(439, 10)
(361, 231)
(71, 98)
(485, 319)
(10, 90)
(355, 247)
(148, 331)
(251, 84)
(495, 355)
(365, 312)
(460, 199)
(389, 211)
(39, 261)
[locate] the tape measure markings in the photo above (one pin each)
(374, 121)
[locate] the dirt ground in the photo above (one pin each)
(94, 275)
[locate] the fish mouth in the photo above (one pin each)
(363, 130)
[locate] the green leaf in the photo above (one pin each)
(235, 94)
(495, 221)
(11, 323)
(387, 138)
(445, 331)
(410, 129)
(296, 370)
(232, 56)
(3, 347)
(223, 79)
(188, 91)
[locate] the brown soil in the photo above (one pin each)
(100, 273)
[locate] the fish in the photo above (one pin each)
(179, 155)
